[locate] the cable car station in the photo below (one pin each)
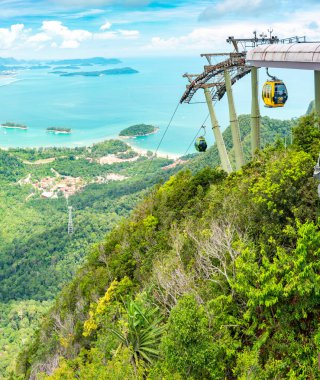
(248, 56)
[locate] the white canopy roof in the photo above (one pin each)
(295, 56)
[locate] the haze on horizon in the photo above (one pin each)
(132, 28)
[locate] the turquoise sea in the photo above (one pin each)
(97, 108)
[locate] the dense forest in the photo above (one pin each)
(211, 277)
(37, 256)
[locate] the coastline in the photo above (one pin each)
(22, 129)
(59, 132)
(161, 154)
(140, 151)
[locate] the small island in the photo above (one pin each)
(121, 71)
(138, 130)
(58, 130)
(70, 67)
(39, 67)
(11, 125)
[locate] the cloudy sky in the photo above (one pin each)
(128, 28)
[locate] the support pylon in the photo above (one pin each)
(70, 222)
(234, 124)
(225, 162)
(255, 112)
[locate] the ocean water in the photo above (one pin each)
(97, 108)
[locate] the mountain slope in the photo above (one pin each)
(212, 277)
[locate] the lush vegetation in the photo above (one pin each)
(212, 277)
(37, 257)
(138, 130)
(271, 130)
(10, 124)
(18, 320)
(109, 147)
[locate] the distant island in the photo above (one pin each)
(70, 67)
(86, 61)
(138, 130)
(59, 72)
(121, 71)
(11, 125)
(63, 64)
(57, 130)
(39, 67)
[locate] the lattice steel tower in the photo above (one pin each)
(70, 223)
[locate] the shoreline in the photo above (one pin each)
(8, 127)
(161, 154)
(141, 151)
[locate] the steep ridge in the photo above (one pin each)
(211, 277)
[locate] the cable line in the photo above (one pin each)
(163, 136)
(202, 125)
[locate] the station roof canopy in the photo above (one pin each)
(305, 56)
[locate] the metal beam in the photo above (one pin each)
(225, 162)
(317, 92)
(255, 113)
(285, 64)
(234, 123)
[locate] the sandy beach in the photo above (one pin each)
(161, 154)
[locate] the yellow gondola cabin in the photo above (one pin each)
(274, 93)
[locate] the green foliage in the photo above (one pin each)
(306, 134)
(37, 257)
(88, 366)
(138, 130)
(18, 320)
(188, 346)
(11, 168)
(108, 147)
(141, 331)
(279, 189)
(281, 295)
(271, 130)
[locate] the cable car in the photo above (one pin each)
(274, 92)
(200, 144)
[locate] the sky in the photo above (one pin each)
(145, 28)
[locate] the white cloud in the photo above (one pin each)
(105, 36)
(107, 25)
(211, 39)
(117, 34)
(54, 34)
(11, 36)
(129, 33)
(62, 35)
(87, 13)
(70, 44)
(57, 29)
(39, 37)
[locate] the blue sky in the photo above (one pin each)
(129, 28)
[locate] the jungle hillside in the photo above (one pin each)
(211, 276)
